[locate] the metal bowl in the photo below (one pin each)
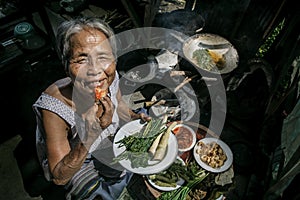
(211, 53)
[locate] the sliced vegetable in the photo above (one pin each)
(154, 145)
(162, 146)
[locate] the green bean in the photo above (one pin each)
(164, 184)
(182, 192)
(123, 156)
(165, 179)
(140, 142)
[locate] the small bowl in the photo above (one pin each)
(186, 137)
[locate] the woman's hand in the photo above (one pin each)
(92, 125)
(144, 117)
(105, 112)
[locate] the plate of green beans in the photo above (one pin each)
(132, 143)
(171, 178)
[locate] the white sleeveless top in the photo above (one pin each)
(56, 106)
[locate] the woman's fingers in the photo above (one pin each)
(108, 109)
(107, 106)
(145, 117)
(100, 110)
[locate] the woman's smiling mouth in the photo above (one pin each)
(94, 84)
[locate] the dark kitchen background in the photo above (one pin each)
(262, 91)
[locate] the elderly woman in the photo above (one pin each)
(74, 127)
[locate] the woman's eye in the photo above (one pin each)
(102, 58)
(81, 61)
(105, 59)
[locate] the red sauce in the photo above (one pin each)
(184, 137)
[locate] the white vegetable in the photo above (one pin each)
(162, 146)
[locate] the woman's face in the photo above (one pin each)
(92, 63)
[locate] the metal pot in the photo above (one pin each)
(28, 37)
(210, 53)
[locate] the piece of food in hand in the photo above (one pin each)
(163, 143)
(100, 93)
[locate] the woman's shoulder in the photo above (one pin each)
(60, 89)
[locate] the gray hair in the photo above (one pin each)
(70, 27)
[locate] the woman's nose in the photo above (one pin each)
(95, 67)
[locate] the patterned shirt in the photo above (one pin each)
(64, 111)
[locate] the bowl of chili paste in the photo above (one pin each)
(186, 137)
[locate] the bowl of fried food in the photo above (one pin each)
(213, 155)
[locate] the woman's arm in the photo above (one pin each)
(64, 162)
